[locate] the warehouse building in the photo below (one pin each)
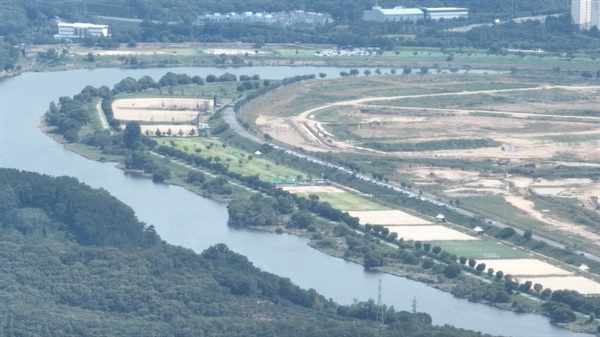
(445, 13)
(394, 14)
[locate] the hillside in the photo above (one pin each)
(76, 262)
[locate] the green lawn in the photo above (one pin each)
(348, 202)
(238, 160)
(478, 249)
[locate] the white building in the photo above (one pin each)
(394, 14)
(581, 13)
(595, 17)
(446, 13)
(80, 30)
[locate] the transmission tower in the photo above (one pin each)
(414, 310)
(380, 304)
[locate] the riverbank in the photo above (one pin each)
(151, 55)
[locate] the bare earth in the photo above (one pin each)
(508, 123)
(429, 233)
(166, 110)
(393, 217)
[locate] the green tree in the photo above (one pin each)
(452, 270)
(132, 134)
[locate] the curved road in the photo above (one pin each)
(231, 118)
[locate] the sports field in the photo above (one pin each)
(526, 267)
(481, 249)
(429, 233)
(162, 110)
(578, 283)
(338, 198)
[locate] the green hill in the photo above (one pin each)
(75, 261)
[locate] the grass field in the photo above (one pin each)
(478, 249)
(348, 202)
(231, 156)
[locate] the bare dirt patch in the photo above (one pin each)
(578, 283)
(429, 233)
(392, 217)
(166, 110)
(532, 122)
(520, 267)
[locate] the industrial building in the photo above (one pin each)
(413, 14)
(394, 14)
(445, 13)
(585, 14)
(80, 30)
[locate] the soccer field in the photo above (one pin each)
(481, 249)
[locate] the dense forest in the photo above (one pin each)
(76, 262)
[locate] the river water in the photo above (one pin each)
(184, 219)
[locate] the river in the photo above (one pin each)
(184, 219)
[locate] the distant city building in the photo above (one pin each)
(290, 18)
(585, 14)
(397, 13)
(80, 30)
(446, 13)
(595, 14)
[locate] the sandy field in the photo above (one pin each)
(578, 283)
(174, 110)
(429, 233)
(312, 189)
(393, 217)
(529, 267)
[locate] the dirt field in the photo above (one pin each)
(544, 124)
(578, 283)
(393, 217)
(150, 130)
(429, 233)
(173, 110)
(521, 267)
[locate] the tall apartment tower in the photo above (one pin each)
(595, 17)
(581, 13)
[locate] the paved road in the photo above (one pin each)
(234, 124)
